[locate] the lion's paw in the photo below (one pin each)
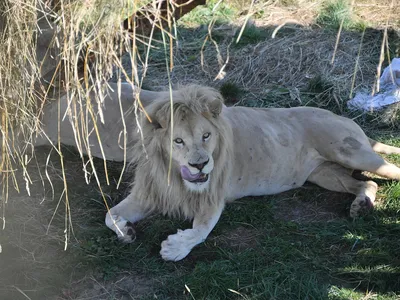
(177, 246)
(129, 233)
(360, 206)
(123, 228)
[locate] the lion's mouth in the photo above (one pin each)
(194, 178)
(202, 178)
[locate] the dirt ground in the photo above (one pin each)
(34, 263)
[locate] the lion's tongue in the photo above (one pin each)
(187, 175)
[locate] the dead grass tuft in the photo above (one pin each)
(66, 49)
(287, 61)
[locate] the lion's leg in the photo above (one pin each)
(366, 159)
(383, 148)
(336, 178)
(177, 246)
(121, 217)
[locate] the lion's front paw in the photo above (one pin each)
(360, 206)
(177, 246)
(123, 228)
(129, 233)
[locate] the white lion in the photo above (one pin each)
(104, 131)
(221, 153)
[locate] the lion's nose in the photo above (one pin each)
(199, 166)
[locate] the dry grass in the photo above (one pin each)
(65, 49)
(282, 56)
(286, 61)
(380, 14)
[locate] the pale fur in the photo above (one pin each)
(111, 132)
(259, 152)
(151, 186)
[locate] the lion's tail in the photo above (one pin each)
(382, 148)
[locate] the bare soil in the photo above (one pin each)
(34, 263)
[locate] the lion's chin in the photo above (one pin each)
(197, 186)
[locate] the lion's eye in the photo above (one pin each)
(178, 141)
(206, 136)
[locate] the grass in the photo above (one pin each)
(295, 245)
(260, 250)
(205, 14)
(337, 12)
(252, 35)
(230, 91)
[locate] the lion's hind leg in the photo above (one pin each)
(121, 217)
(337, 178)
(365, 159)
(383, 148)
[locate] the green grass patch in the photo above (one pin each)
(334, 12)
(319, 85)
(252, 35)
(256, 253)
(231, 92)
(204, 14)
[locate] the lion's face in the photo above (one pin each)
(194, 141)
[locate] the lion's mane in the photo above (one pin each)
(151, 159)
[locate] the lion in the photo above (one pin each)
(200, 155)
(104, 131)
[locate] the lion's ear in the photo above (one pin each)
(159, 119)
(215, 107)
